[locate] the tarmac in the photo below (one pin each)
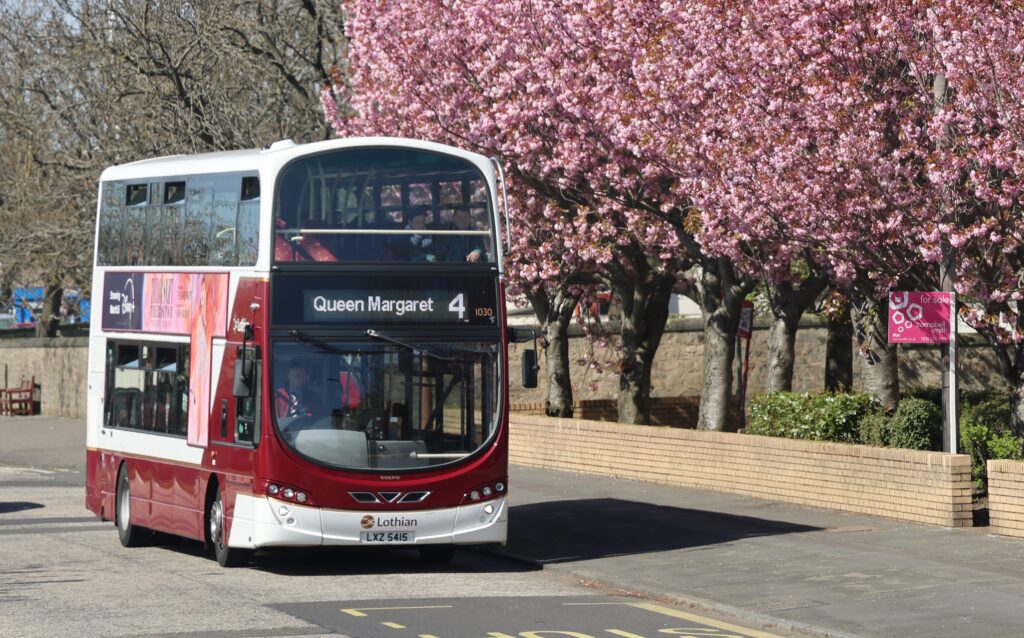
(804, 570)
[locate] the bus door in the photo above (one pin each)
(235, 425)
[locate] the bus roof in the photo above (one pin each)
(275, 155)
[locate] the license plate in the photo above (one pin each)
(386, 537)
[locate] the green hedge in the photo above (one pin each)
(916, 425)
(985, 431)
(817, 416)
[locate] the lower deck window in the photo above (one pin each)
(147, 387)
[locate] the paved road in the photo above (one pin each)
(63, 573)
(773, 566)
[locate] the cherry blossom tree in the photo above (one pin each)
(538, 85)
(822, 166)
(977, 168)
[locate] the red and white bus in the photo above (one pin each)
(303, 345)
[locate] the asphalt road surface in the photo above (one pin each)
(64, 573)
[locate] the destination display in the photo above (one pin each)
(375, 300)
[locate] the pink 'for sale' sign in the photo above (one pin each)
(919, 317)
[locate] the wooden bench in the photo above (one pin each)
(19, 400)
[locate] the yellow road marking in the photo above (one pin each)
(666, 611)
(427, 636)
(393, 625)
(624, 634)
(584, 604)
(498, 634)
(358, 611)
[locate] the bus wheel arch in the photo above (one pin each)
(216, 531)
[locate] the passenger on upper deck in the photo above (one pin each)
(416, 247)
(463, 247)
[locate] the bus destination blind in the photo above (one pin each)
(465, 301)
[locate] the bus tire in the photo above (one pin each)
(437, 554)
(129, 535)
(226, 556)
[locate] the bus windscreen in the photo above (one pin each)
(386, 404)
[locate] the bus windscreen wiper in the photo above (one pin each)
(374, 334)
(319, 343)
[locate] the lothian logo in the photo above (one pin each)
(367, 522)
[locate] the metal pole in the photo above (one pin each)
(951, 406)
(947, 273)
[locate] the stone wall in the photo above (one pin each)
(674, 412)
(1006, 498)
(59, 366)
(679, 364)
(926, 487)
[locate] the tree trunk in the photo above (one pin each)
(50, 316)
(555, 313)
(720, 293)
(880, 372)
(839, 353)
(1017, 404)
(782, 354)
(1010, 359)
(788, 305)
(556, 360)
(644, 314)
(719, 348)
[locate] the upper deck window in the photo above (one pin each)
(202, 220)
(383, 205)
(136, 195)
(174, 192)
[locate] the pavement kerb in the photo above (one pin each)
(737, 614)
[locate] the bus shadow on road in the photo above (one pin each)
(573, 530)
(350, 561)
(18, 506)
(327, 561)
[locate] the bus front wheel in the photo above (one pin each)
(130, 535)
(226, 556)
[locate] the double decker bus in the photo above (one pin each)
(302, 345)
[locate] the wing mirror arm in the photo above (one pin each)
(241, 385)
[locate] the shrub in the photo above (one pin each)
(874, 429)
(985, 434)
(819, 416)
(992, 411)
(916, 425)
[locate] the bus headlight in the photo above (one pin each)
(288, 493)
(485, 492)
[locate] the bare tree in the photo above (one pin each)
(85, 84)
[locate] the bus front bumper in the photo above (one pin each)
(268, 522)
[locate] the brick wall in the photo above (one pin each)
(1006, 498)
(927, 487)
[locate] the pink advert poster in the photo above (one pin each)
(919, 317)
(196, 305)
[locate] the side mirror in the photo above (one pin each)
(520, 335)
(242, 383)
(530, 368)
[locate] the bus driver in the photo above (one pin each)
(295, 399)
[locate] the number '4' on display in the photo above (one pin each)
(458, 305)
